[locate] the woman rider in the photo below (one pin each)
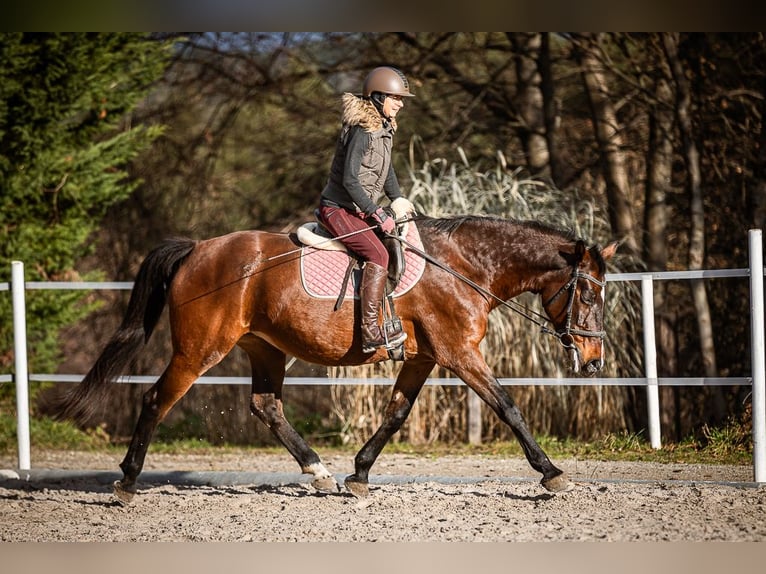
(360, 174)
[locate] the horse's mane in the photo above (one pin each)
(449, 225)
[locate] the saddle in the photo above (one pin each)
(314, 235)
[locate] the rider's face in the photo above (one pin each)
(392, 105)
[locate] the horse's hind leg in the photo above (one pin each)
(268, 365)
(408, 384)
(157, 402)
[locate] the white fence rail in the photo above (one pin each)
(651, 381)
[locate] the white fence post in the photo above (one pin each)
(474, 417)
(650, 361)
(757, 351)
(20, 360)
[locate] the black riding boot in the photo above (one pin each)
(371, 293)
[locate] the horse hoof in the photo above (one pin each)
(559, 483)
(357, 488)
(326, 484)
(123, 495)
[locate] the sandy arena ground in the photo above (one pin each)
(247, 496)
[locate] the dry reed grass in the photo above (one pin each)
(513, 347)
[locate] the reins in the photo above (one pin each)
(521, 310)
(563, 335)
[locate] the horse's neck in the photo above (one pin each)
(515, 270)
(526, 277)
(505, 258)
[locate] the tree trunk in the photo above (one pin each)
(758, 191)
(529, 101)
(608, 136)
(697, 219)
(659, 168)
(550, 110)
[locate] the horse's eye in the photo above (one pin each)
(588, 297)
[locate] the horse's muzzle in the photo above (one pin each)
(587, 368)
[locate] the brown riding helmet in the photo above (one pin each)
(388, 81)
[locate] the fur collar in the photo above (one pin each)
(358, 111)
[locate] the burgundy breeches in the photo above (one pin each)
(365, 243)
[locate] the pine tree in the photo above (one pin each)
(65, 142)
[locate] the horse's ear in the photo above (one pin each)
(574, 258)
(608, 251)
(580, 250)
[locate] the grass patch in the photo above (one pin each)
(730, 444)
(45, 433)
(180, 446)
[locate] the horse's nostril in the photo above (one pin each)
(594, 366)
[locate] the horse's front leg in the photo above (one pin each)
(473, 370)
(408, 384)
(267, 406)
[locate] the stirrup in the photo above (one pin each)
(388, 339)
(393, 340)
(395, 347)
(392, 331)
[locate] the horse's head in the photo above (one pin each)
(575, 305)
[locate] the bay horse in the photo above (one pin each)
(244, 289)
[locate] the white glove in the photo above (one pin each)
(402, 207)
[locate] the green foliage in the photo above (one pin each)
(46, 433)
(189, 428)
(65, 142)
(730, 443)
(314, 427)
(727, 444)
(622, 445)
(624, 442)
(727, 440)
(614, 446)
(182, 445)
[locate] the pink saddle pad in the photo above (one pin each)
(322, 271)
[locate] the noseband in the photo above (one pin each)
(564, 335)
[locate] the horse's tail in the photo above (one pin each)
(144, 309)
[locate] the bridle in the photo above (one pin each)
(564, 335)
